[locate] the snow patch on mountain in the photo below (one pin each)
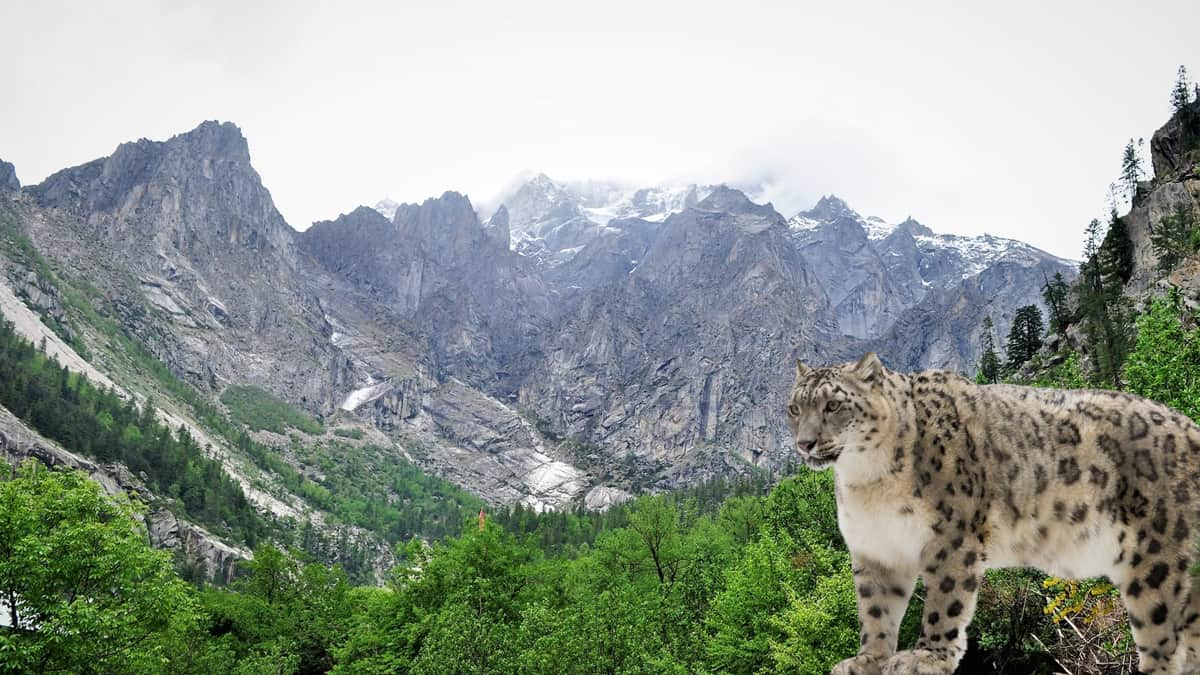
(549, 216)
(980, 252)
(974, 253)
(387, 208)
(877, 228)
(364, 395)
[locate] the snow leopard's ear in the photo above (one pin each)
(869, 368)
(801, 369)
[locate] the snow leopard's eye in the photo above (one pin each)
(833, 406)
(793, 410)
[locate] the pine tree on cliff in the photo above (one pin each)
(1054, 292)
(1131, 168)
(1175, 238)
(1116, 254)
(1181, 94)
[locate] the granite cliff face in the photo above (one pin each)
(185, 236)
(8, 177)
(677, 360)
(916, 297)
(1175, 190)
(584, 341)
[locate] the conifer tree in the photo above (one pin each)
(1025, 336)
(1131, 168)
(1054, 292)
(989, 361)
(1105, 312)
(1180, 94)
(1175, 237)
(1116, 253)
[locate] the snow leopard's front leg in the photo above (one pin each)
(883, 594)
(953, 571)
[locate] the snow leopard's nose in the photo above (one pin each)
(806, 446)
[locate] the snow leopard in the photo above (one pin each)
(941, 478)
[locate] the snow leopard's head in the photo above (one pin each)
(839, 410)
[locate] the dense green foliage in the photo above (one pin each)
(97, 423)
(1165, 362)
(80, 587)
(674, 589)
(374, 488)
(567, 531)
(1116, 253)
(263, 411)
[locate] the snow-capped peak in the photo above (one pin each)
(387, 208)
(972, 253)
(877, 228)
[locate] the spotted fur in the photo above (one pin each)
(940, 478)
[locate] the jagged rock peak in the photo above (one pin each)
(497, 227)
(500, 217)
(914, 228)
(8, 177)
(451, 210)
(216, 140)
(543, 180)
(830, 208)
(208, 150)
(387, 208)
(1175, 147)
(212, 140)
(362, 216)
(725, 199)
(351, 236)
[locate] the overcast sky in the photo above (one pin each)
(1004, 117)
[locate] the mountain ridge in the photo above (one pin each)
(582, 343)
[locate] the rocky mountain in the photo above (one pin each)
(177, 245)
(185, 236)
(915, 295)
(8, 177)
(585, 341)
(677, 359)
(455, 283)
(550, 221)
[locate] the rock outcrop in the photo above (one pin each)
(1174, 192)
(8, 177)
